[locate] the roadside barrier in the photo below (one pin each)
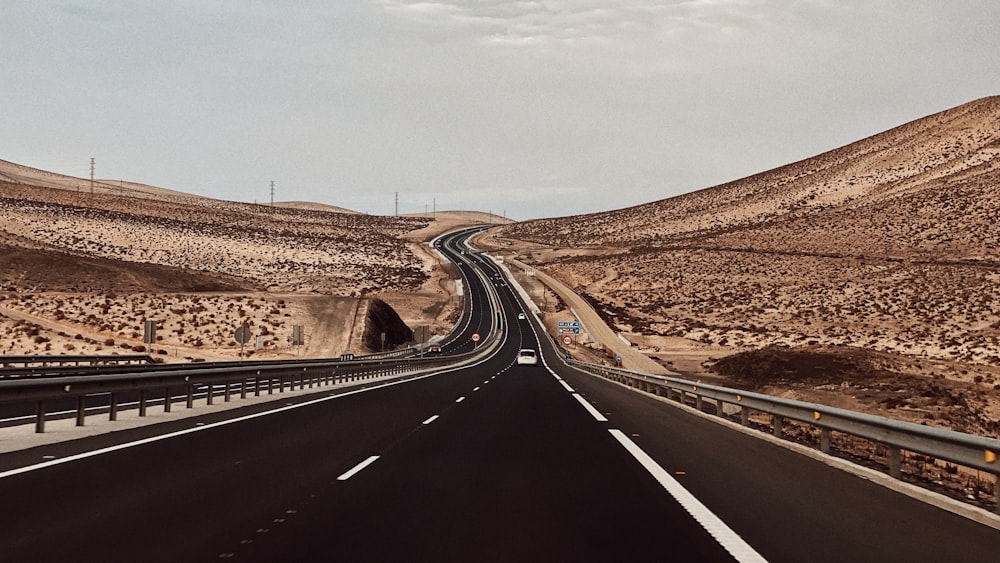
(171, 384)
(969, 450)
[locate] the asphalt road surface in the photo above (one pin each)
(492, 462)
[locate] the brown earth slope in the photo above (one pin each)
(888, 245)
(80, 272)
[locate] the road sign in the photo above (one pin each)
(475, 337)
(567, 340)
(568, 327)
(242, 334)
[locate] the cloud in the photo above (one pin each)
(652, 35)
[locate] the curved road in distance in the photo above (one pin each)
(491, 462)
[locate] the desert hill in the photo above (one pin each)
(889, 245)
(953, 151)
(20, 174)
(80, 271)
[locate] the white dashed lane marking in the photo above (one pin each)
(357, 468)
(590, 408)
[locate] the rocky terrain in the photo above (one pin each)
(890, 245)
(81, 271)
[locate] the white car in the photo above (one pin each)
(527, 357)
(521, 317)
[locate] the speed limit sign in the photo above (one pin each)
(567, 340)
(475, 337)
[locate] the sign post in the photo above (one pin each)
(149, 333)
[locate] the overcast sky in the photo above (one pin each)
(529, 108)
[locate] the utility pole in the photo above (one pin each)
(397, 204)
(272, 193)
(91, 175)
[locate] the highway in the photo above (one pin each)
(490, 462)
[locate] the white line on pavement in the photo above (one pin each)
(590, 408)
(430, 420)
(357, 468)
(727, 538)
(566, 385)
(460, 399)
(202, 426)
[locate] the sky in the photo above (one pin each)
(523, 108)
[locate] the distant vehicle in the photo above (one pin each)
(434, 349)
(521, 317)
(527, 357)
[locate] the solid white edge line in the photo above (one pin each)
(357, 468)
(201, 426)
(727, 538)
(566, 386)
(430, 420)
(590, 408)
(460, 399)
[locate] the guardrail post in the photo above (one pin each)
(824, 440)
(190, 396)
(243, 388)
(777, 421)
(256, 385)
(270, 385)
(720, 408)
(211, 392)
(142, 402)
(113, 407)
(697, 402)
(167, 399)
(996, 492)
(895, 462)
(40, 417)
(226, 395)
(81, 411)
(744, 415)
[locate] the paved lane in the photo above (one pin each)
(787, 506)
(492, 462)
(517, 471)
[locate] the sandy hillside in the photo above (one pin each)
(81, 271)
(889, 245)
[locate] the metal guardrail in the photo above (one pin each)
(977, 452)
(74, 360)
(176, 383)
